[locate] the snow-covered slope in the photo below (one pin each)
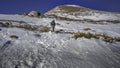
(24, 45)
(81, 13)
(33, 49)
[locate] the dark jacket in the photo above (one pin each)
(52, 23)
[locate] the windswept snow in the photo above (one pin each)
(18, 18)
(73, 5)
(57, 50)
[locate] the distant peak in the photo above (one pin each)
(68, 9)
(72, 8)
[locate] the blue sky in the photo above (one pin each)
(21, 6)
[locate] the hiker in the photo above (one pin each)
(53, 25)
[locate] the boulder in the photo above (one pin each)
(34, 14)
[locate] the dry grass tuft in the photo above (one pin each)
(14, 36)
(86, 29)
(59, 31)
(44, 29)
(104, 37)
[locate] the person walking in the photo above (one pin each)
(52, 23)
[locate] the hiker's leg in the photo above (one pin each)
(53, 28)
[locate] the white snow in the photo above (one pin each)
(57, 50)
(18, 18)
(73, 5)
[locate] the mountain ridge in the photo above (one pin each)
(80, 13)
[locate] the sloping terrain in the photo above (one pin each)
(78, 13)
(28, 42)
